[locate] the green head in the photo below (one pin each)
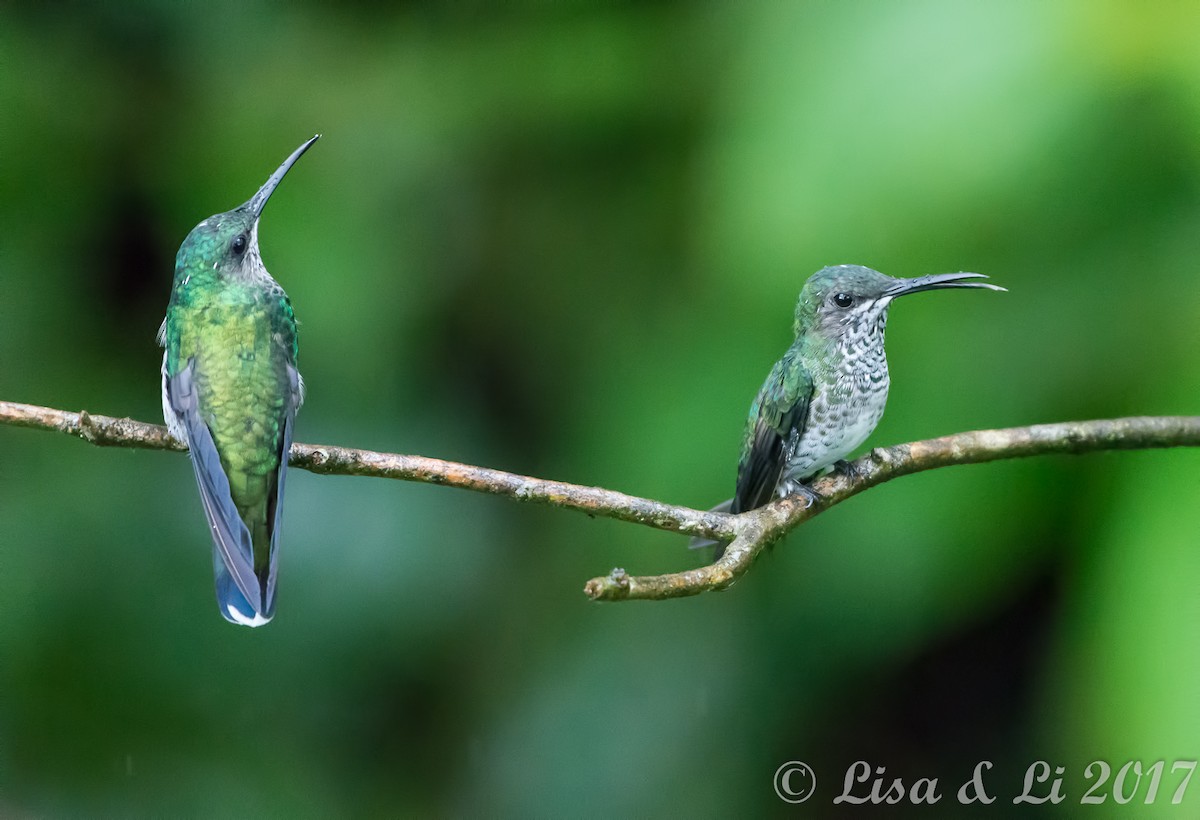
(849, 300)
(227, 243)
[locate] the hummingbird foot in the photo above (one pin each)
(848, 469)
(791, 487)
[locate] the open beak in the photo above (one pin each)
(903, 287)
(259, 200)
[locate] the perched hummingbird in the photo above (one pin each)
(231, 391)
(827, 393)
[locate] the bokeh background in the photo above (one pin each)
(566, 240)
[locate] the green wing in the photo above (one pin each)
(777, 419)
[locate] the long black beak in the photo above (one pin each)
(903, 287)
(259, 200)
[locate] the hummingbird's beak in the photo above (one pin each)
(903, 287)
(259, 200)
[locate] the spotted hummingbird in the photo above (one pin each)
(827, 393)
(231, 391)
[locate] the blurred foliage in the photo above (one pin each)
(565, 239)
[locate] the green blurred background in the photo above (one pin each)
(565, 240)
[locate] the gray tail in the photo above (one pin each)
(698, 543)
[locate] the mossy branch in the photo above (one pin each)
(749, 533)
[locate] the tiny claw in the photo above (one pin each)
(848, 469)
(792, 488)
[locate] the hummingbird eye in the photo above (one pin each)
(239, 245)
(843, 300)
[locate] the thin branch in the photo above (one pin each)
(106, 431)
(758, 529)
(750, 533)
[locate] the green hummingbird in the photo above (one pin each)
(825, 396)
(231, 391)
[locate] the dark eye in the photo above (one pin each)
(843, 300)
(239, 245)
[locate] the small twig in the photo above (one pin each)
(750, 533)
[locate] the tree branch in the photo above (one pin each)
(750, 533)
(757, 529)
(106, 431)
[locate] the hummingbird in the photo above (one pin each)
(827, 394)
(230, 391)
